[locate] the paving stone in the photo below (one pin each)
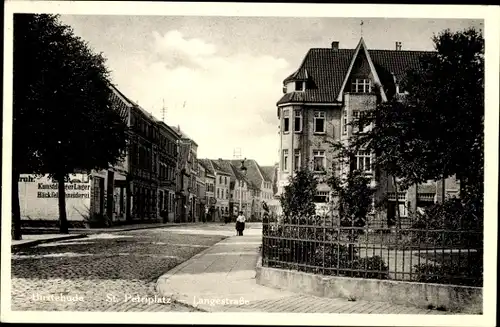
(129, 263)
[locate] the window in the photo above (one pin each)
(285, 160)
(356, 115)
(299, 86)
(402, 210)
(218, 194)
(286, 121)
(319, 122)
(220, 179)
(225, 180)
(344, 122)
(319, 160)
(321, 197)
(361, 85)
(296, 160)
(227, 194)
(363, 161)
(298, 121)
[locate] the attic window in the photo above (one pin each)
(300, 86)
(361, 85)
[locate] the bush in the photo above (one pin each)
(450, 216)
(334, 256)
(450, 273)
(375, 266)
(298, 196)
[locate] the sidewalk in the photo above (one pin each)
(222, 279)
(76, 233)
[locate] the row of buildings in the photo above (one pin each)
(331, 88)
(160, 179)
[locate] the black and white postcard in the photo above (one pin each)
(250, 163)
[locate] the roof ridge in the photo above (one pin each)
(260, 172)
(390, 50)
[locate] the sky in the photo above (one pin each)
(219, 78)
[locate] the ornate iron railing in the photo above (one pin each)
(419, 253)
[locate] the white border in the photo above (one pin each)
(492, 27)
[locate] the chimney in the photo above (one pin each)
(398, 46)
(335, 45)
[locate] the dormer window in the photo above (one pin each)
(300, 86)
(361, 85)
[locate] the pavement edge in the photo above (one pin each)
(47, 240)
(162, 283)
(83, 235)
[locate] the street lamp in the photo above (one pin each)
(244, 172)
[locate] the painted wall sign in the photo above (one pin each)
(39, 197)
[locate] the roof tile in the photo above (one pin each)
(327, 68)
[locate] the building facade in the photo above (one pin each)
(201, 192)
(260, 187)
(239, 188)
(222, 189)
(156, 181)
(332, 88)
(186, 186)
(167, 169)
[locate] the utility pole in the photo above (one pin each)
(163, 111)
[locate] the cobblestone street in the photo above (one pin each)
(107, 272)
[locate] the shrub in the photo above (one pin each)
(334, 256)
(451, 216)
(374, 267)
(451, 273)
(298, 196)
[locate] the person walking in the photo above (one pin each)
(240, 224)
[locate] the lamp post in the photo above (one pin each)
(243, 171)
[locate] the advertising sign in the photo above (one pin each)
(39, 197)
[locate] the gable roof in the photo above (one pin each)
(209, 169)
(218, 168)
(328, 68)
(232, 170)
(254, 172)
(361, 45)
(269, 172)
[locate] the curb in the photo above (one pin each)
(47, 240)
(84, 235)
(164, 290)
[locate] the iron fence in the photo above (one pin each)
(419, 253)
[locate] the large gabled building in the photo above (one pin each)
(330, 88)
(260, 187)
(221, 190)
(187, 171)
